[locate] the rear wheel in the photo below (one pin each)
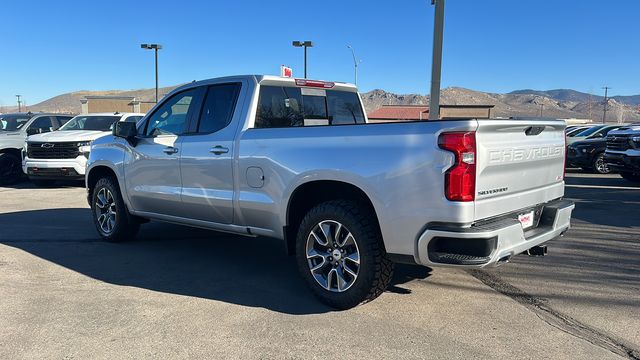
(599, 165)
(340, 254)
(635, 177)
(10, 169)
(110, 214)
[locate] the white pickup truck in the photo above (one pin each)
(63, 154)
(296, 159)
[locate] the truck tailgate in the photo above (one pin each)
(520, 164)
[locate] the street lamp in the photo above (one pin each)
(304, 44)
(154, 47)
(356, 62)
(19, 103)
(436, 64)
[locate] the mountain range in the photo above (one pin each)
(559, 103)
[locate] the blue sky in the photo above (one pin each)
(55, 47)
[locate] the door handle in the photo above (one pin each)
(218, 149)
(170, 150)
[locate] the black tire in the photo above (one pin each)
(600, 166)
(634, 177)
(10, 169)
(374, 271)
(42, 182)
(124, 226)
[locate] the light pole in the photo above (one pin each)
(154, 47)
(19, 103)
(606, 102)
(541, 108)
(436, 64)
(304, 44)
(356, 62)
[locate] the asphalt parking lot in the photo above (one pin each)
(178, 292)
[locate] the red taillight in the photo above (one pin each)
(460, 179)
(315, 83)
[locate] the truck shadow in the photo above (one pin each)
(174, 259)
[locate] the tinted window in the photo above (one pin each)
(44, 124)
(344, 108)
(90, 122)
(279, 107)
(606, 131)
(218, 107)
(63, 119)
(171, 117)
(133, 119)
(289, 106)
(314, 107)
(589, 131)
(13, 122)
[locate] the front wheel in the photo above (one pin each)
(110, 214)
(340, 254)
(599, 165)
(10, 169)
(635, 177)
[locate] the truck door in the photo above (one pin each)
(206, 161)
(152, 173)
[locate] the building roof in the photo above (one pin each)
(400, 112)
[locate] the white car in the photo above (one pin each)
(63, 154)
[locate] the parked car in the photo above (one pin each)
(63, 154)
(14, 129)
(623, 152)
(576, 130)
(295, 159)
(588, 154)
(595, 132)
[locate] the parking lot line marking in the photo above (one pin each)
(603, 187)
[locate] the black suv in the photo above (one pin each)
(588, 154)
(623, 151)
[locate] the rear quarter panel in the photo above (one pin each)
(399, 166)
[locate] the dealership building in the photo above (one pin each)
(100, 104)
(393, 113)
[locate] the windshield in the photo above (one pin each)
(90, 122)
(589, 131)
(13, 122)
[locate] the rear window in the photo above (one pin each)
(280, 106)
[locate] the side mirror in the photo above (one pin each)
(126, 130)
(33, 131)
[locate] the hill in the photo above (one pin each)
(520, 103)
(560, 103)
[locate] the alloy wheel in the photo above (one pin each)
(105, 210)
(601, 165)
(333, 256)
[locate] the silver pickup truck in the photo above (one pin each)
(296, 160)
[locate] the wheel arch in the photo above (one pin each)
(97, 172)
(13, 151)
(309, 194)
